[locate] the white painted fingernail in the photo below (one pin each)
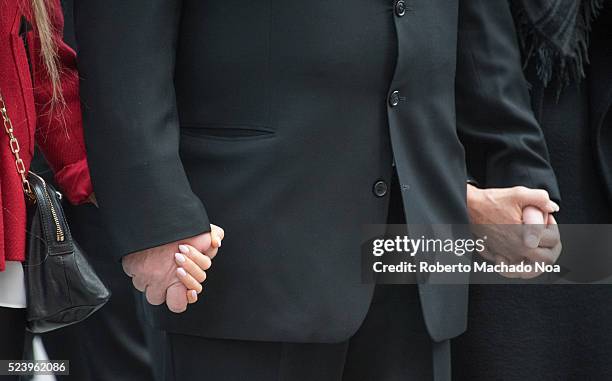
(183, 249)
(181, 271)
(179, 257)
(193, 294)
(554, 206)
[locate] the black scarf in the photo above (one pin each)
(555, 34)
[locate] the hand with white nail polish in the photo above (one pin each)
(173, 273)
(191, 271)
(193, 264)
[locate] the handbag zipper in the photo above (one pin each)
(59, 232)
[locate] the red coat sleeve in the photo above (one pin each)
(59, 133)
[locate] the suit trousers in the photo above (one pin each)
(392, 344)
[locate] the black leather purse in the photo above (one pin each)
(61, 286)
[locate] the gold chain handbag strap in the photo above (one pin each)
(14, 146)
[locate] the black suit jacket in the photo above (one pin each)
(274, 119)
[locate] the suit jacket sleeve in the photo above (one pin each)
(126, 60)
(504, 143)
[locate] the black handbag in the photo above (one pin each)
(61, 286)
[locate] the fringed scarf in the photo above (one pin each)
(555, 34)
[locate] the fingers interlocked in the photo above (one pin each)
(167, 275)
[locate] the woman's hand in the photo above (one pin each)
(192, 264)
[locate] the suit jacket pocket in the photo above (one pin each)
(227, 132)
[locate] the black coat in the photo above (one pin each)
(557, 332)
(600, 86)
(278, 121)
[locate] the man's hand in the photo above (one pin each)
(496, 212)
(155, 272)
(505, 205)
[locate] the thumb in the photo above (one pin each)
(533, 226)
(200, 242)
(538, 198)
(127, 265)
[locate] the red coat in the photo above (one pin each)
(26, 91)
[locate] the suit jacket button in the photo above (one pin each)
(394, 98)
(380, 188)
(400, 8)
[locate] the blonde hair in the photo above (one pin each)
(48, 47)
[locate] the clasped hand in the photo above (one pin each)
(519, 225)
(173, 273)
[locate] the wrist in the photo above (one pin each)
(474, 198)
